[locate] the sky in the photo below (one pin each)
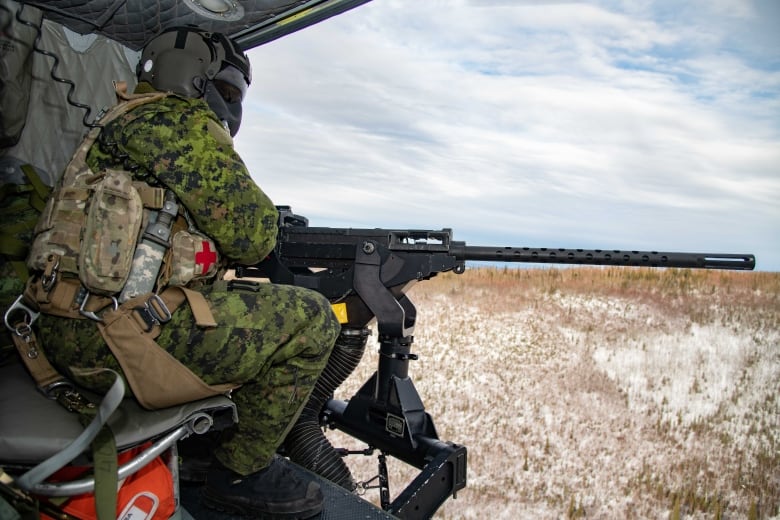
(632, 125)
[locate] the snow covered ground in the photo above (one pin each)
(599, 393)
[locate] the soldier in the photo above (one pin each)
(272, 340)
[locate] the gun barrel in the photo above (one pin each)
(545, 255)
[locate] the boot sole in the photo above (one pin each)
(225, 505)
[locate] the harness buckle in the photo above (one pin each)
(91, 314)
(24, 328)
(159, 310)
(153, 312)
(66, 394)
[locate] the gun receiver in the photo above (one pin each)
(367, 273)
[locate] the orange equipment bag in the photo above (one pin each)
(145, 495)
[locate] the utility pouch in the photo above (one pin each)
(193, 257)
(92, 225)
(58, 231)
(111, 231)
(158, 380)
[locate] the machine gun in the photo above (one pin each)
(365, 273)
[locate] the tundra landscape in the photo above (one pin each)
(598, 392)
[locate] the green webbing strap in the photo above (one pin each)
(7, 511)
(37, 189)
(12, 246)
(106, 480)
(40, 190)
(6, 190)
(45, 469)
(15, 251)
(104, 464)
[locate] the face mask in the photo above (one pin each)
(224, 95)
(228, 113)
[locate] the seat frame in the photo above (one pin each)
(34, 427)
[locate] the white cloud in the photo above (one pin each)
(633, 125)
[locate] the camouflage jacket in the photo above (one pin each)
(178, 143)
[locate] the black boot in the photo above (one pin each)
(195, 458)
(274, 492)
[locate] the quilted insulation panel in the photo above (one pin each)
(133, 22)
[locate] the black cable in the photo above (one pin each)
(53, 72)
(306, 444)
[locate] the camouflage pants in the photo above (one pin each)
(11, 286)
(17, 220)
(274, 342)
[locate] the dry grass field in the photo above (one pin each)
(599, 393)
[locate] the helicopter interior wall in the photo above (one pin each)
(52, 126)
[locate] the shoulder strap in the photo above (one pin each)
(126, 102)
(19, 319)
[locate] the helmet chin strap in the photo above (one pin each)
(228, 113)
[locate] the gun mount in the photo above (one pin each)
(365, 273)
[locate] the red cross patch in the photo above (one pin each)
(205, 257)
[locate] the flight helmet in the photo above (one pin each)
(199, 64)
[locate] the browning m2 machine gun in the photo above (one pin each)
(365, 273)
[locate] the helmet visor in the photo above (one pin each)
(231, 84)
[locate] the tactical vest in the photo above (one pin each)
(93, 227)
(96, 229)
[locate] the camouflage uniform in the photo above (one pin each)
(18, 220)
(275, 341)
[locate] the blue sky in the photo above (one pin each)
(603, 124)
